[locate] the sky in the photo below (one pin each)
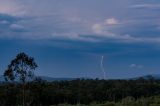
(68, 38)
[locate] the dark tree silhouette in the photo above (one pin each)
(21, 69)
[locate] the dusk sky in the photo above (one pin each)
(67, 38)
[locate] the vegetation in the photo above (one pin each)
(21, 69)
(20, 91)
(86, 92)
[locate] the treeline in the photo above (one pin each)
(42, 93)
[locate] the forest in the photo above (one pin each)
(85, 92)
(22, 88)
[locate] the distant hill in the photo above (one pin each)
(147, 77)
(48, 79)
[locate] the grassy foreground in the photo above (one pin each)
(128, 101)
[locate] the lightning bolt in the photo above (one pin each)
(102, 68)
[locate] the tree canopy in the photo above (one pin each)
(21, 68)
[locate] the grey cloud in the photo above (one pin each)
(76, 20)
(136, 66)
(146, 6)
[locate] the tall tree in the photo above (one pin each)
(21, 69)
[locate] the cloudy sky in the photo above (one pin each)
(67, 38)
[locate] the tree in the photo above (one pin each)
(21, 69)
